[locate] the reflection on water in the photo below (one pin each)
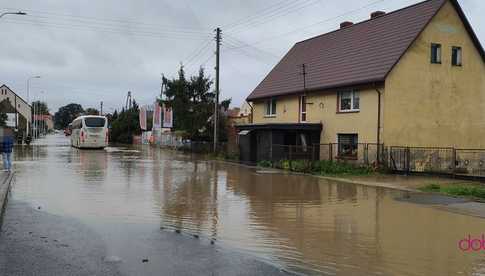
(302, 223)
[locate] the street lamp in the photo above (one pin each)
(28, 86)
(13, 13)
(28, 96)
(37, 114)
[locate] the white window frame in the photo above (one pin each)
(301, 109)
(268, 108)
(353, 94)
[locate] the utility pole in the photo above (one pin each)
(101, 109)
(128, 101)
(302, 98)
(216, 103)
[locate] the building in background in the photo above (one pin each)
(17, 109)
(44, 122)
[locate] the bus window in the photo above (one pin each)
(94, 122)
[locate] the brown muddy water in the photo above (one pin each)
(300, 223)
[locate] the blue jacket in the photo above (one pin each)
(7, 144)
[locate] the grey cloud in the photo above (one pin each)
(116, 46)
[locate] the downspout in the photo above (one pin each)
(379, 93)
(250, 116)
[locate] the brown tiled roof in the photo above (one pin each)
(361, 54)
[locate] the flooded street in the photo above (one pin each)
(297, 223)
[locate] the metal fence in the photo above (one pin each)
(430, 160)
(450, 161)
(363, 154)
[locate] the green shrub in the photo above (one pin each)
(325, 167)
(322, 167)
(265, 164)
(302, 166)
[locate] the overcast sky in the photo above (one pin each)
(92, 51)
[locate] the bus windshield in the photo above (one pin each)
(94, 122)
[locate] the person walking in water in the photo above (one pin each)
(7, 148)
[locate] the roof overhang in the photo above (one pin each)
(281, 126)
(356, 84)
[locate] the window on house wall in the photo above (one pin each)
(435, 53)
(349, 101)
(456, 56)
(303, 108)
(348, 145)
(271, 107)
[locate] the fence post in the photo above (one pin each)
(271, 153)
(408, 161)
(289, 155)
(453, 166)
(366, 154)
(330, 148)
(313, 153)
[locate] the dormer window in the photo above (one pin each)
(435, 53)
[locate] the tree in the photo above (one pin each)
(40, 108)
(193, 105)
(3, 119)
(125, 125)
(91, 111)
(67, 114)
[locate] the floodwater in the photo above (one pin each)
(300, 223)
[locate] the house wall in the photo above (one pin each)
(22, 107)
(322, 108)
(437, 104)
(286, 111)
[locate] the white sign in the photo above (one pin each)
(11, 119)
(167, 117)
(157, 116)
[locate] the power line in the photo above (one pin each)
(133, 32)
(311, 25)
(91, 18)
(114, 25)
(237, 43)
(199, 51)
(257, 14)
(269, 12)
(292, 8)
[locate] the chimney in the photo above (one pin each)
(346, 24)
(376, 14)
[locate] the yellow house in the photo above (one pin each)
(411, 77)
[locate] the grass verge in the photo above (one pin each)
(326, 168)
(474, 191)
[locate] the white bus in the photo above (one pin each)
(90, 132)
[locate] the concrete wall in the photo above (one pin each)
(437, 104)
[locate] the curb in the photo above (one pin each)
(5, 182)
(331, 178)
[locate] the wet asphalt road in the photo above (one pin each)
(38, 240)
(33, 242)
